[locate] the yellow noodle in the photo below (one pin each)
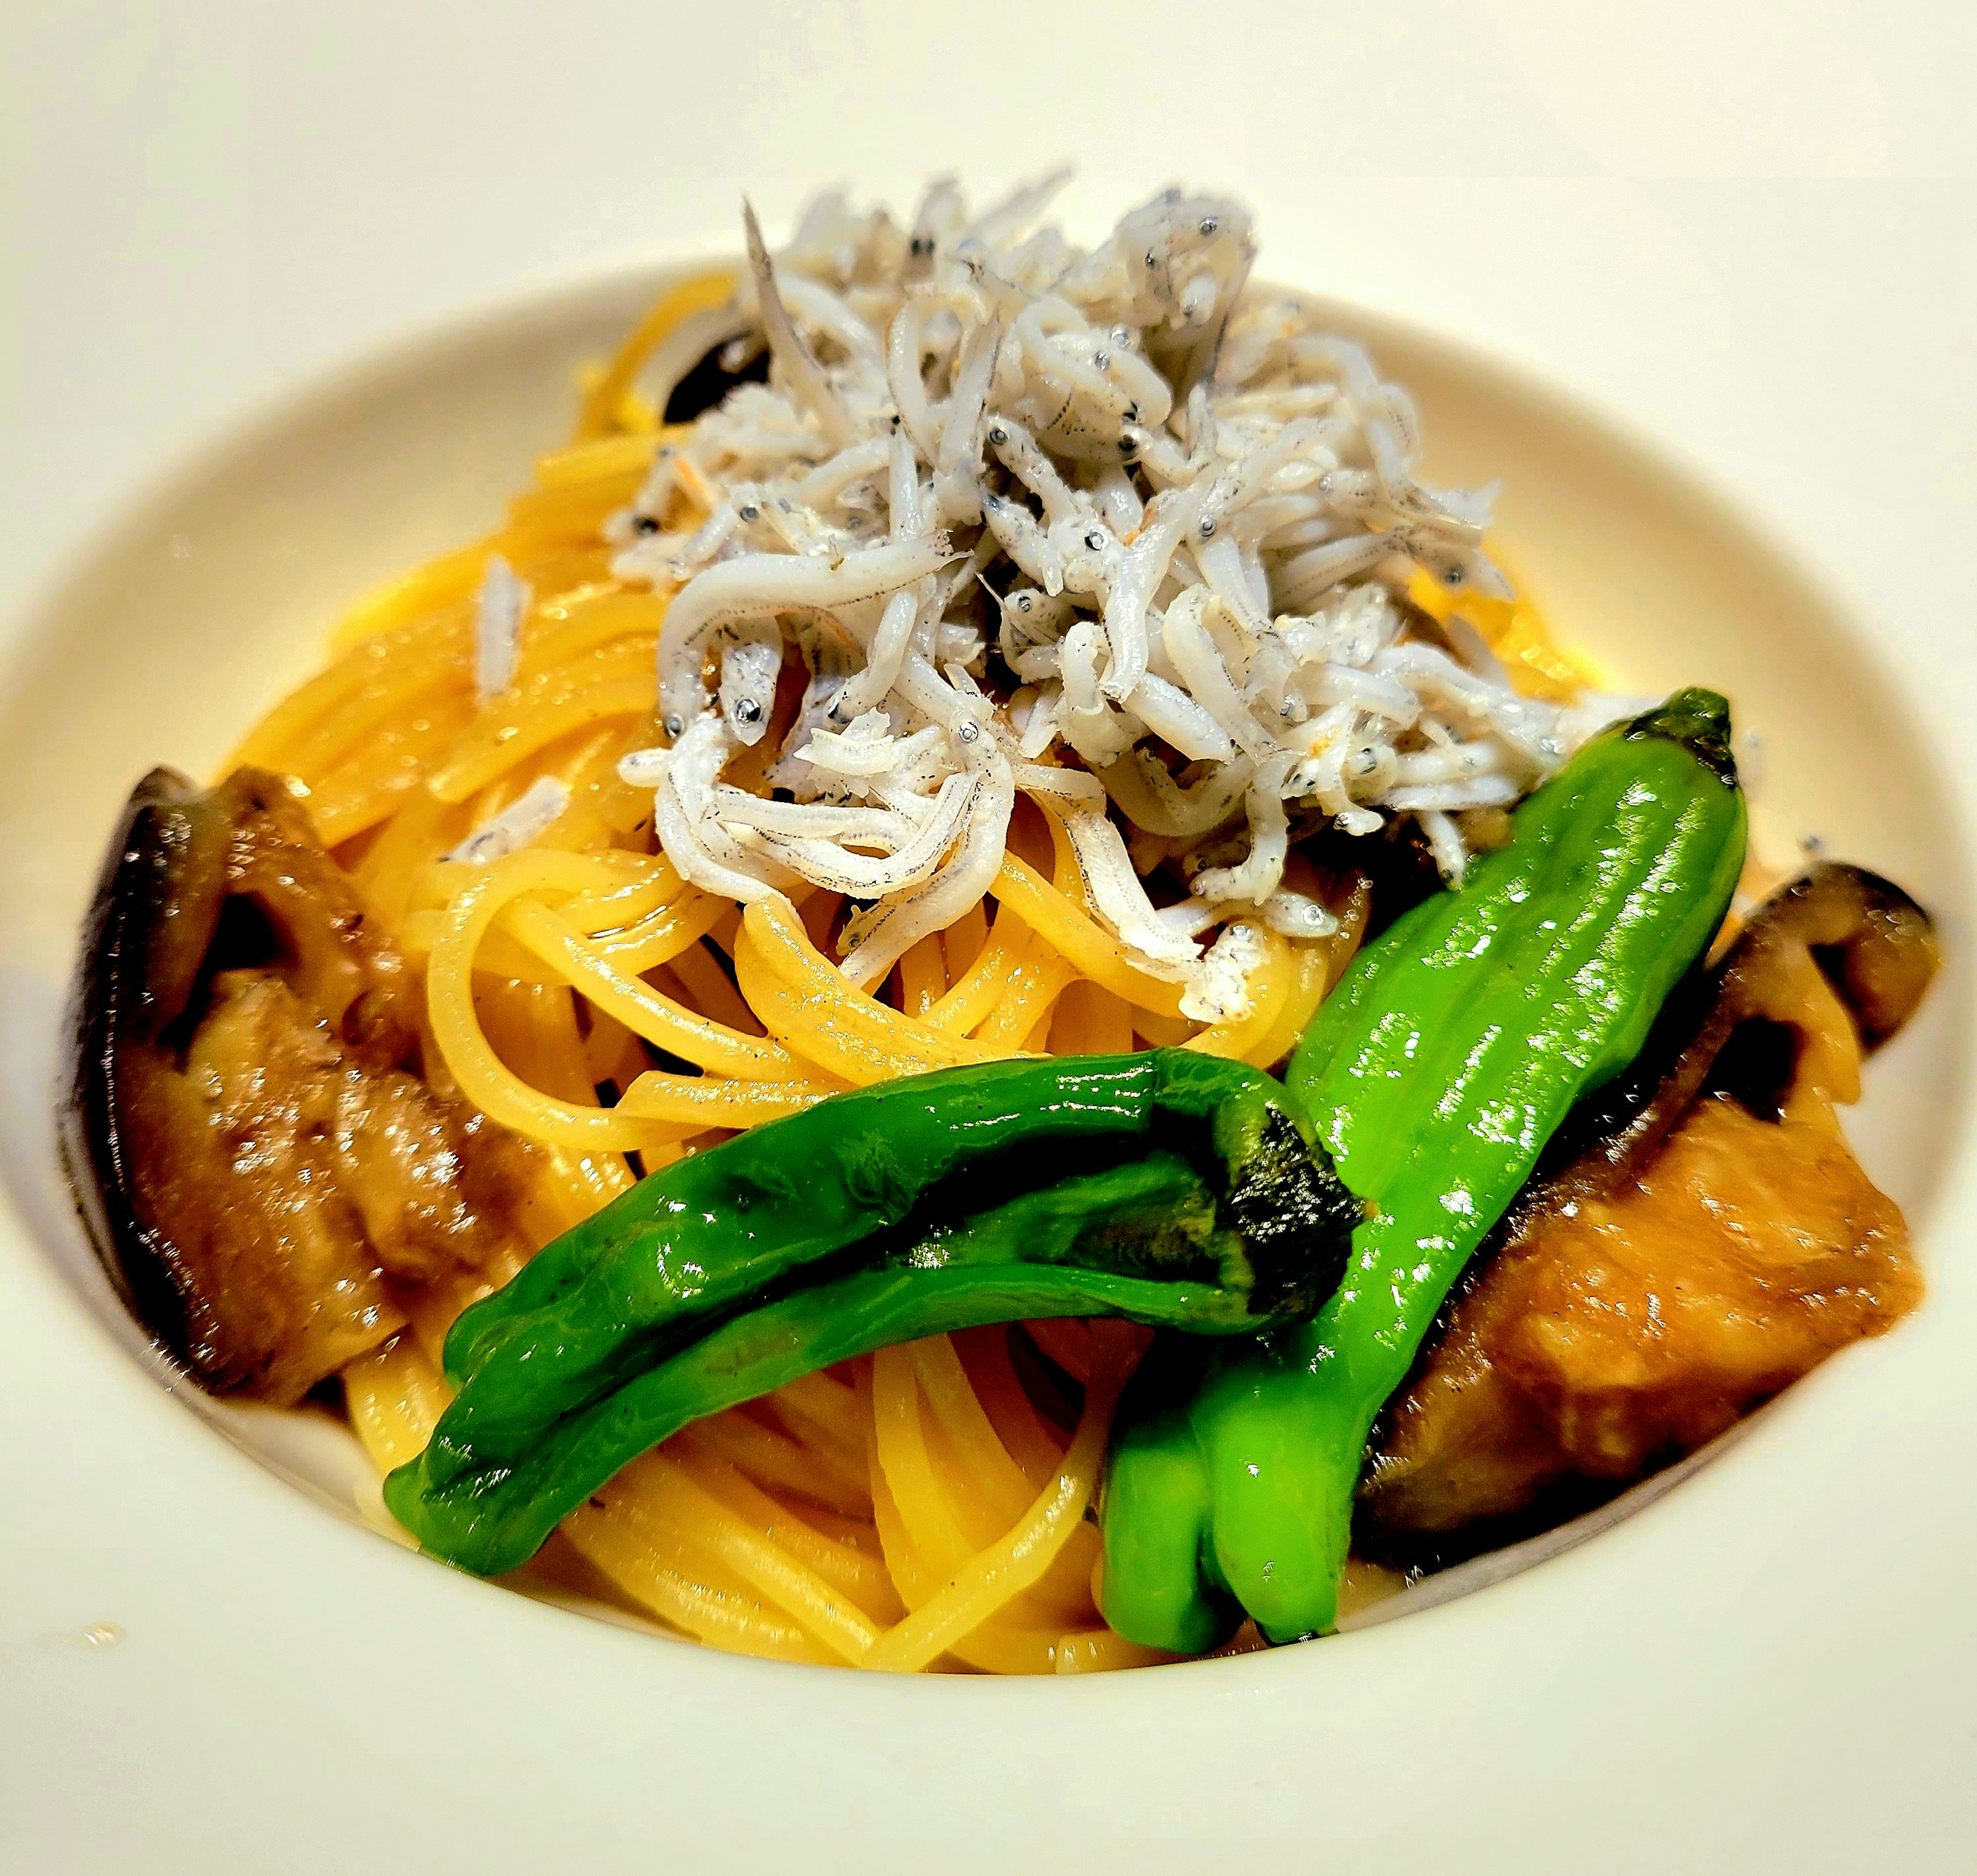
(1089, 1019)
(606, 456)
(1036, 1449)
(359, 793)
(394, 1397)
(929, 1516)
(703, 980)
(982, 986)
(541, 519)
(1031, 988)
(922, 978)
(1067, 1342)
(1310, 977)
(615, 681)
(1093, 951)
(641, 1008)
(602, 404)
(492, 1086)
(393, 680)
(610, 622)
(609, 910)
(961, 941)
(996, 1647)
(918, 1508)
(946, 1503)
(856, 1534)
(651, 1563)
(822, 1410)
(1099, 1650)
(773, 1458)
(268, 744)
(857, 1573)
(423, 827)
(945, 1383)
(412, 597)
(701, 1101)
(989, 1577)
(670, 1494)
(1269, 987)
(831, 1019)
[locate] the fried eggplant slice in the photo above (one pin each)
(1705, 1237)
(246, 1128)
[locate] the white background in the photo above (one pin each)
(1751, 229)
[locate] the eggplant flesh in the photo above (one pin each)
(1699, 1237)
(261, 1163)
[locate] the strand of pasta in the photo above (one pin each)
(855, 1573)
(961, 941)
(701, 1101)
(606, 456)
(670, 1494)
(656, 1565)
(1270, 987)
(1036, 1449)
(694, 970)
(995, 1647)
(394, 1397)
(922, 978)
(823, 1413)
(943, 1507)
(778, 1529)
(807, 1003)
(395, 679)
(435, 587)
(991, 1576)
(981, 986)
(617, 681)
(358, 793)
(1029, 995)
(644, 1010)
(423, 646)
(588, 623)
(489, 1083)
(533, 1028)
(942, 1379)
(1089, 1019)
(774, 1459)
(1092, 951)
(602, 405)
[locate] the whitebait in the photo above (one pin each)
(1102, 527)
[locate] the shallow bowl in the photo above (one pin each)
(186, 616)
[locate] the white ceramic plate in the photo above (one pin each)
(247, 1650)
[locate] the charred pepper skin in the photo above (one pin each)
(1434, 1074)
(1167, 1187)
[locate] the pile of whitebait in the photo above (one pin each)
(1180, 515)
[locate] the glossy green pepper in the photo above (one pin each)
(1435, 1074)
(1168, 1187)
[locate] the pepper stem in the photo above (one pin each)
(1698, 718)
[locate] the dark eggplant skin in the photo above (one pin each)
(110, 1000)
(247, 1128)
(709, 381)
(1872, 943)
(1737, 1030)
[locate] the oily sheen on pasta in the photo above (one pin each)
(691, 789)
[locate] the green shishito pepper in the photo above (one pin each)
(1434, 1073)
(1169, 1187)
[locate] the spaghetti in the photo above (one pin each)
(924, 1508)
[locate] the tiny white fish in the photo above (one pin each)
(517, 824)
(502, 605)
